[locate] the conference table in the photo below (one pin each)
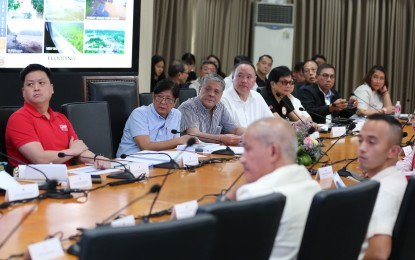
(62, 217)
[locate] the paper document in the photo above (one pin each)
(91, 170)
(156, 157)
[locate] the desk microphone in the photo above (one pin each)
(190, 142)
(49, 184)
(226, 151)
(116, 175)
(367, 103)
(333, 120)
(349, 129)
(310, 129)
(172, 164)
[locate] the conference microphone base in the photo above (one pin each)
(227, 151)
(167, 165)
(345, 173)
(121, 175)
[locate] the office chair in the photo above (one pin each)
(92, 123)
(403, 236)
(186, 93)
(190, 238)
(121, 93)
(5, 113)
(145, 99)
(246, 229)
(337, 222)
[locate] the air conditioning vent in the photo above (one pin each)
(274, 14)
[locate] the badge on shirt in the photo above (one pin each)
(64, 128)
(284, 111)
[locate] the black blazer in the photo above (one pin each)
(313, 101)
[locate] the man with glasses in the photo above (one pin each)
(149, 127)
(206, 68)
(244, 104)
(206, 117)
(321, 100)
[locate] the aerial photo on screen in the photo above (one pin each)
(24, 37)
(64, 37)
(104, 41)
(65, 10)
(105, 9)
(25, 9)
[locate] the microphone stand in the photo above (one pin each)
(367, 103)
(116, 175)
(311, 129)
(226, 151)
(172, 164)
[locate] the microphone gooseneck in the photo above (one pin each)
(311, 129)
(116, 175)
(367, 103)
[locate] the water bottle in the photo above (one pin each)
(398, 109)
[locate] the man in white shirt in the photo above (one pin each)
(269, 162)
(244, 104)
(379, 148)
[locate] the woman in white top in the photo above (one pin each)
(373, 94)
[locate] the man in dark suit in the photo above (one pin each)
(321, 100)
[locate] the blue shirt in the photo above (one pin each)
(145, 120)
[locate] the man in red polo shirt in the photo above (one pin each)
(35, 133)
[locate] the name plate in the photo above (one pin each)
(338, 181)
(80, 181)
(190, 159)
(34, 171)
(7, 181)
(124, 222)
(325, 174)
(137, 169)
(48, 249)
(338, 131)
(22, 192)
(407, 150)
(315, 135)
(186, 209)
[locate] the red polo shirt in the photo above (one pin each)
(27, 125)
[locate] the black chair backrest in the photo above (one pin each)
(247, 228)
(121, 93)
(5, 113)
(404, 231)
(92, 124)
(145, 99)
(190, 238)
(186, 93)
(263, 91)
(337, 222)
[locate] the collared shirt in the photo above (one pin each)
(283, 108)
(245, 112)
(145, 120)
(28, 125)
(392, 188)
(327, 97)
(195, 115)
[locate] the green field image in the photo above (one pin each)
(104, 42)
(72, 32)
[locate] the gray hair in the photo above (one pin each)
(214, 77)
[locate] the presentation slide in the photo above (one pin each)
(66, 33)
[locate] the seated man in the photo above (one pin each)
(35, 133)
(206, 117)
(149, 127)
(379, 148)
(321, 100)
(244, 104)
(207, 67)
(269, 163)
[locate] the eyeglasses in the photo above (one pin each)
(286, 82)
(328, 76)
(168, 100)
(380, 79)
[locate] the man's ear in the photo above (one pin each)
(394, 151)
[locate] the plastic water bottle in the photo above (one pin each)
(398, 109)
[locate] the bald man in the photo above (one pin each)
(269, 163)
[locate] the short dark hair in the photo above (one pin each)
(244, 62)
(395, 127)
(188, 58)
(175, 68)
(166, 84)
(240, 58)
(325, 66)
(307, 61)
(298, 66)
(321, 56)
(369, 74)
(265, 55)
(208, 62)
(34, 67)
(276, 73)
